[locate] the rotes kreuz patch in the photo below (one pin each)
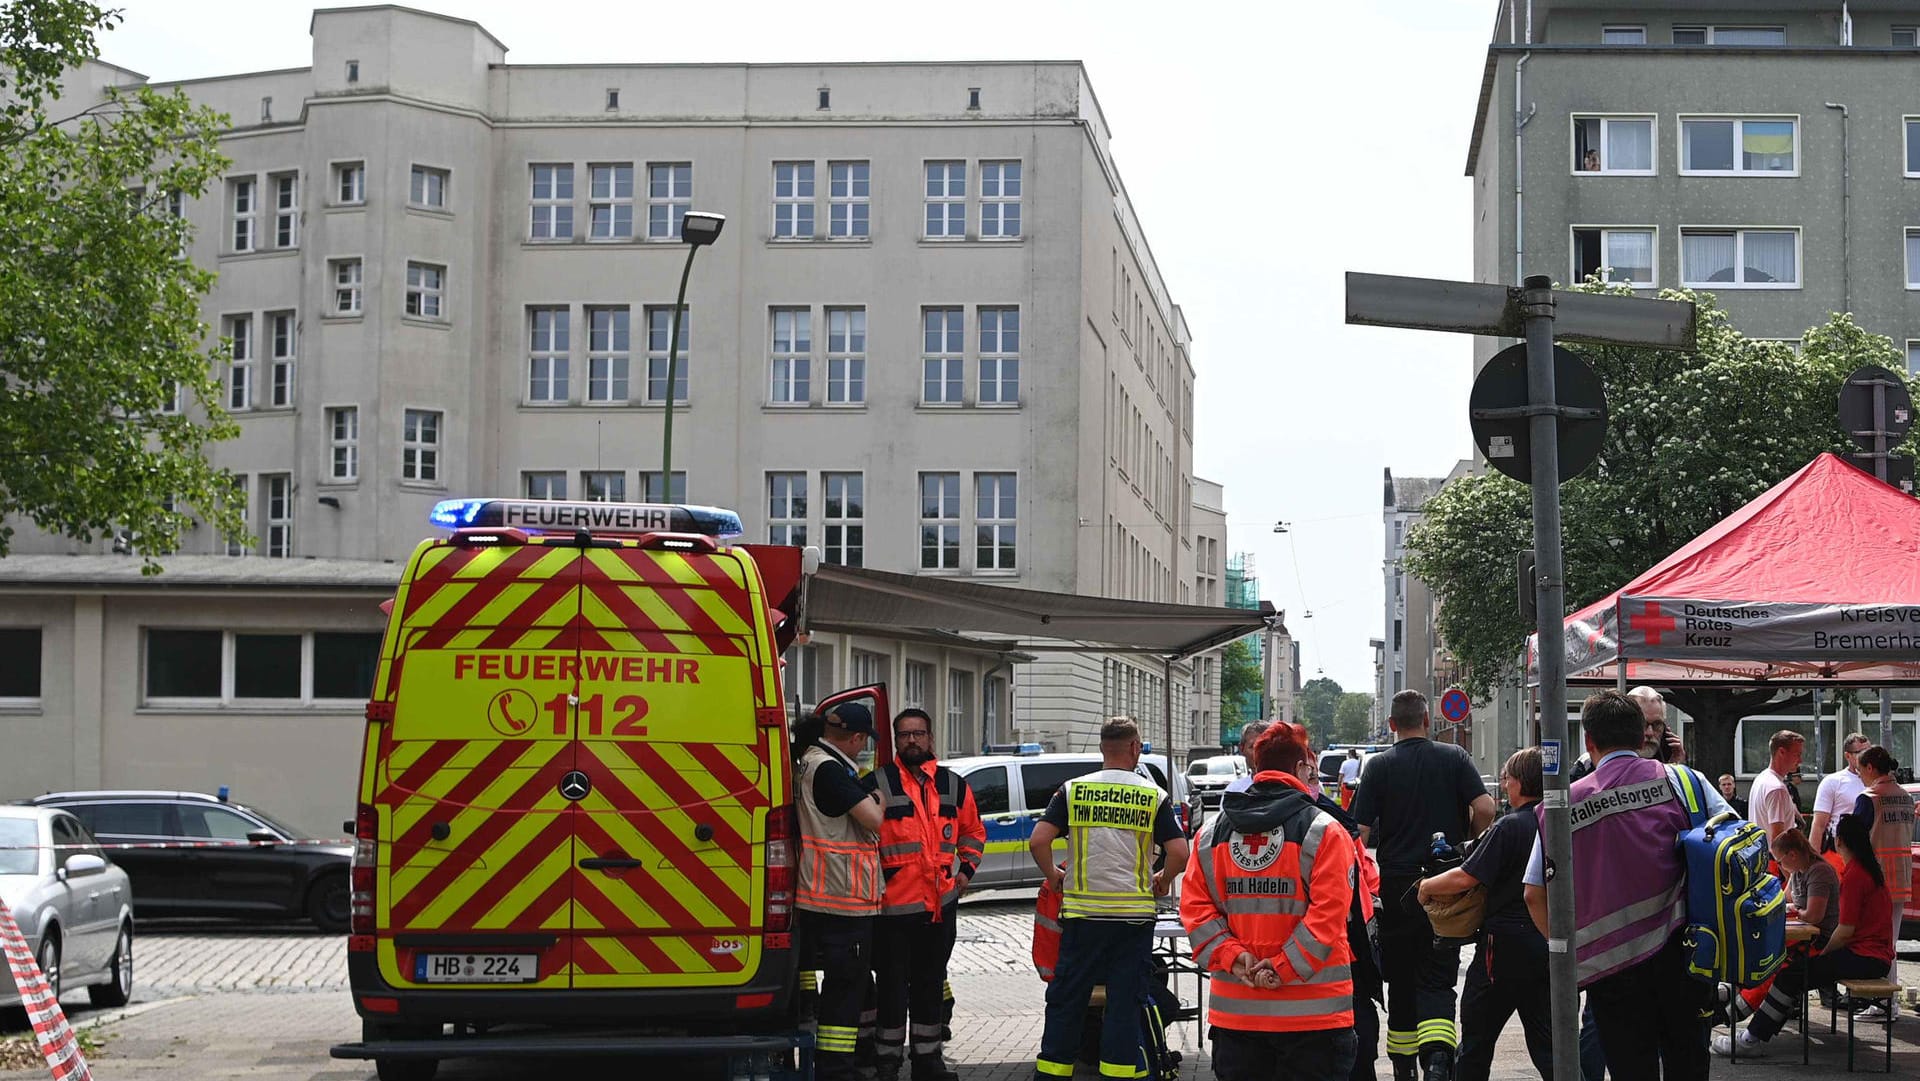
(1253, 851)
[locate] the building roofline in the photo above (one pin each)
(1495, 50)
(230, 78)
(667, 65)
(317, 12)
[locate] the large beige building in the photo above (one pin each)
(932, 338)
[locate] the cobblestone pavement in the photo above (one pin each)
(217, 1001)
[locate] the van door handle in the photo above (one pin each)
(608, 863)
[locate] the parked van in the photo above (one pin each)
(1210, 777)
(1012, 792)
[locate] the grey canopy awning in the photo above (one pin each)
(861, 601)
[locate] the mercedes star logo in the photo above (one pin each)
(575, 786)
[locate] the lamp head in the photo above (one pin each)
(699, 227)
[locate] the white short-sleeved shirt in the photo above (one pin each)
(1836, 795)
(1350, 772)
(1769, 803)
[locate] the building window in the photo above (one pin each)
(1615, 255)
(343, 444)
(544, 484)
(1732, 147)
(846, 356)
(939, 521)
(346, 286)
(1913, 356)
(792, 356)
(1729, 35)
(999, 356)
(793, 200)
(946, 199)
(960, 710)
(549, 352)
(239, 332)
(353, 71)
(420, 445)
(1000, 199)
(610, 201)
(602, 486)
(613, 98)
(996, 509)
(866, 668)
(350, 183)
(942, 361)
(236, 496)
(286, 332)
(669, 195)
(787, 508)
(552, 203)
(428, 187)
(1741, 258)
(1913, 258)
(286, 210)
(607, 354)
(650, 491)
(292, 668)
(659, 330)
(849, 190)
(276, 498)
(1608, 144)
(913, 689)
(844, 514)
(1904, 37)
(426, 288)
(20, 676)
(808, 668)
(1623, 35)
(242, 197)
(1913, 146)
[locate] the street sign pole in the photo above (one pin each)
(1537, 313)
(1550, 608)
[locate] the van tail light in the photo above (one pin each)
(782, 863)
(366, 855)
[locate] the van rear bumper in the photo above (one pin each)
(682, 1006)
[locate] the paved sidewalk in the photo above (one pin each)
(266, 1003)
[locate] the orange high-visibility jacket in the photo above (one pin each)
(1274, 878)
(931, 833)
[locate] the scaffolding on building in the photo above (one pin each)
(1243, 591)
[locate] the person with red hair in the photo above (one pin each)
(1266, 903)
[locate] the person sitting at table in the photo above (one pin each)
(1861, 946)
(1813, 892)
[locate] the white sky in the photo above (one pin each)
(1268, 149)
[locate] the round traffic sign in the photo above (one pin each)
(1455, 705)
(1496, 410)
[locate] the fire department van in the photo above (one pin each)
(574, 802)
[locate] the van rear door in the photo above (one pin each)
(476, 831)
(679, 736)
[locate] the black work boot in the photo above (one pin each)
(1405, 1067)
(1439, 1063)
(933, 1067)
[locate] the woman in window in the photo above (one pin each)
(1861, 946)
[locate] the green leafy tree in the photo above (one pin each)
(1691, 437)
(1240, 688)
(1315, 706)
(100, 330)
(1351, 717)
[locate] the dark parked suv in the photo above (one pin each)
(241, 866)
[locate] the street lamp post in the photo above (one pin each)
(698, 228)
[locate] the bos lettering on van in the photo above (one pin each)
(601, 667)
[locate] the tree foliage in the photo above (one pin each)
(1240, 686)
(99, 307)
(1691, 437)
(1352, 717)
(1316, 704)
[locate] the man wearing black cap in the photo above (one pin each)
(840, 884)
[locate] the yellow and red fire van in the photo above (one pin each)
(574, 803)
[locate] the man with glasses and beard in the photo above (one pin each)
(931, 842)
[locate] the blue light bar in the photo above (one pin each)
(549, 516)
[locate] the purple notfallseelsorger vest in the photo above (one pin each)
(1629, 882)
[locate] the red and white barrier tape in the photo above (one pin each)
(50, 1028)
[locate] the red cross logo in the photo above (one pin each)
(1652, 623)
(1254, 842)
(1594, 635)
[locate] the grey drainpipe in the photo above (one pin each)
(1846, 209)
(1520, 121)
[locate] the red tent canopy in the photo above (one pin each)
(1817, 581)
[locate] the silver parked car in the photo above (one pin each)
(73, 905)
